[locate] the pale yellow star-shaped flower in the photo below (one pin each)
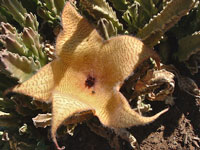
(87, 74)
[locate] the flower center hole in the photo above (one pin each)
(90, 81)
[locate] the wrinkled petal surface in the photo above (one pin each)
(87, 75)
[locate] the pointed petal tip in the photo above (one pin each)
(165, 110)
(151, 119)
(141, 120)
(56, 143)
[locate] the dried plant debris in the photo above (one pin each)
(185, 83)
(153, 80)
(42, 120)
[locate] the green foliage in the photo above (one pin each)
(120, 5)
(163, 21)
(15, 9)
(26, 43)
(17, 66)
(50, 10)
(24, 49)
(138, 14)
(100, 9)
(22, 53)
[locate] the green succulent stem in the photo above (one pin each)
(168, 17)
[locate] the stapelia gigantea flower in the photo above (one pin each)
(87, 74)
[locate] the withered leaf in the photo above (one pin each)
(42, 120)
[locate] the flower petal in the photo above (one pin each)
(41, 84)
(77, 34)
(64, 107)
(117, 113)
(122, 55)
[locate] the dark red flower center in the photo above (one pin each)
(90, 81)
